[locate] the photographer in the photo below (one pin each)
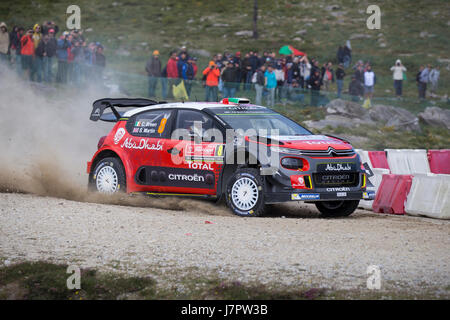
(27, 52)
(398, 74)
(212, 74)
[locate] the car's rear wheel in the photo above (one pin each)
(245, 193)
(109, 176)
(341, 208)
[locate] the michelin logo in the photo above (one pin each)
(305, 196)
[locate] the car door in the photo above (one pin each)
(149, 132)
(194, 155)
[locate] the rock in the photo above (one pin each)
(123, 52)
(338, 13)
(398, 118)
(200, 52)
(303, 31)
(345, 108)
(332, 7)
(435, 116)
(298, 39)
(360, 36)
(221, 25)
(244, 33)
(335, 121)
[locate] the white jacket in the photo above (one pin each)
(398, 72)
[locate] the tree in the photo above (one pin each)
(255, 19)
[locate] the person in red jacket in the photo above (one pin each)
(27, 53)
(212, 74)
(172, 72)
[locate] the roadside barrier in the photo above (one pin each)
(439, 161)
(378, 159)
(408, 161)
(364, 155)
(392, 194)
(376, 181)
(429, 196)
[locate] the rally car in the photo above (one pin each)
(248, 155)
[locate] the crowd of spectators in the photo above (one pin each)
(35, 52)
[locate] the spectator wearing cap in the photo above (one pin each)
(4, 43)
(153, 68)
(51, 53)
(15, 47)
(212, 74)
(270, 84)
(62, 46)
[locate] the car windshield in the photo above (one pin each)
(260, 118)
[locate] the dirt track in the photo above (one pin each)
(292, 247)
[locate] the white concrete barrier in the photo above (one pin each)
(408, 161)
(364, 155)
(429, 196)
(375, 180)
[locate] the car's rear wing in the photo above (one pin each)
(99, 106)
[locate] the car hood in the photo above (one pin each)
(312, 142)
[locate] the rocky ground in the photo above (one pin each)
(291, 247)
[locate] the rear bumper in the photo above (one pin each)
(310, 195)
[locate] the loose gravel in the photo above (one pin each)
(292, 247)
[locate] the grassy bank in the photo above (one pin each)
(47, 281)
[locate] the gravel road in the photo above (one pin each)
(292, 247)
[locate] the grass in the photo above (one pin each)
(47, 281)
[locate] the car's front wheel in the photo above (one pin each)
(245, 193)
(341, 208)
(109, 176)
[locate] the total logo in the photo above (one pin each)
(119, 135)
(200, 166)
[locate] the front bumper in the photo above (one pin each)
(311, 195)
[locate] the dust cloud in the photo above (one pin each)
(46, 139)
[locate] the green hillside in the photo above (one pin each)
(317, 27)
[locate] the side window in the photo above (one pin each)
(196, 123)
(151, 124)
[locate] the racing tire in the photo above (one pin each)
(245, 193)
(343, 208)
(108, 177)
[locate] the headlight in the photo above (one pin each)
(285, 150)
(292, 163)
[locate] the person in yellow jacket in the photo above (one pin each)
(37, 35)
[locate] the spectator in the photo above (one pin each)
(212, 74)
(190, 74)
(229, 77)
(49, 25)
(354, 89)
(48, 59)
(4, 43)
(27, 52)
(327, 75)
(340, 54)
(153, 68)
(78, 59)
(369, 82)
(347, 54)
(359, 75)
(100, 61)
(423, 80)
(172, 72)
(270, 84)
(259, 80)
(304, 71)
(295, 96)
(397, 75)
(15, 47)
(62, 46)
(37, 35)
(315, 82)
(434, 79)
(279, 75)
(40, 53)
(247, 71)
(340, 74)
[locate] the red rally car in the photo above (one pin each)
(249, 155)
